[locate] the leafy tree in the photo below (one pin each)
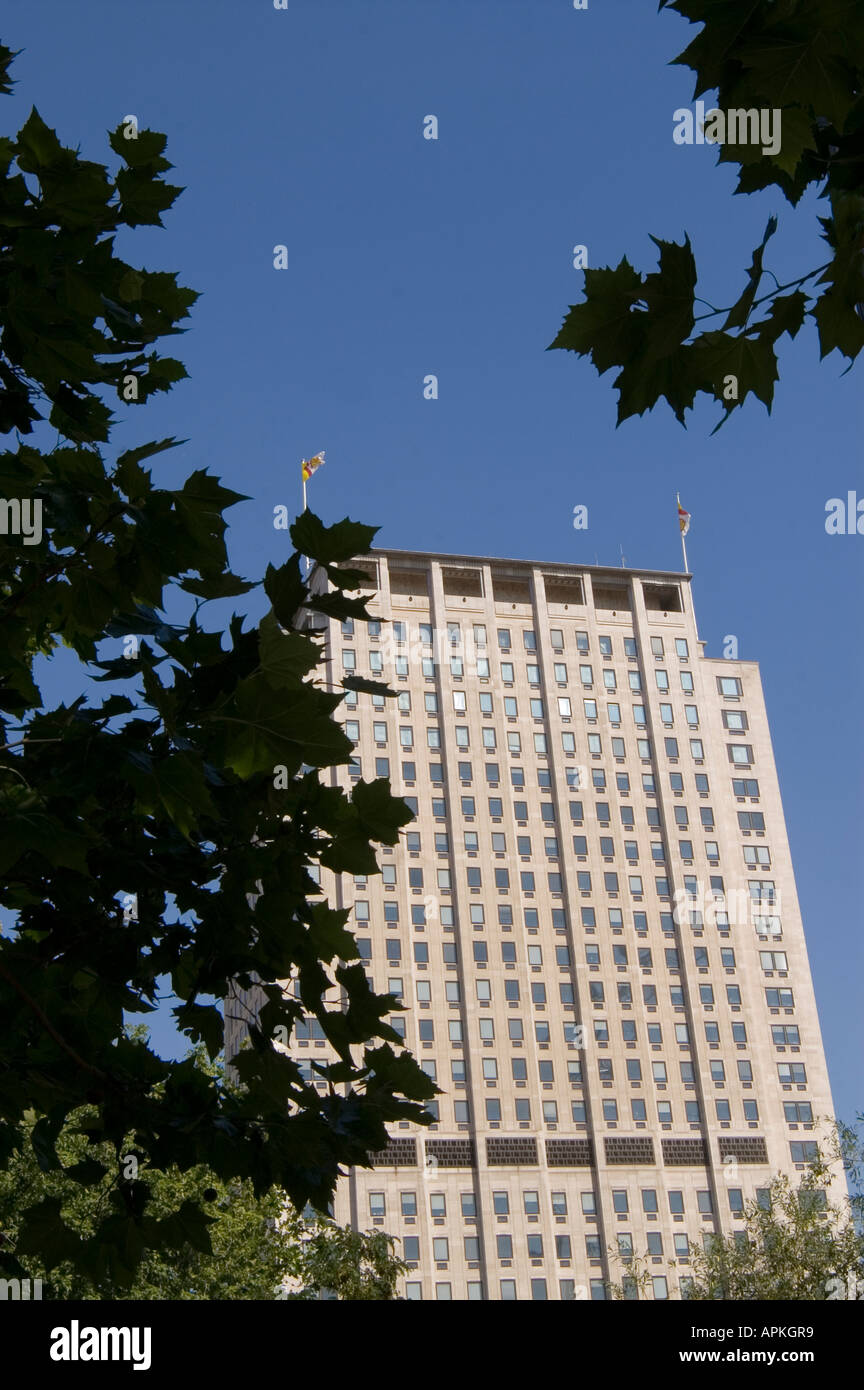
(262, 1248)
(797, 1246)
(850, 1142)
(805, 60)
(351, 1265)
(165, 829)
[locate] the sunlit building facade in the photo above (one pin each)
(592, 923)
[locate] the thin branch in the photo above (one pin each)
(48, 1025)
(788, 286)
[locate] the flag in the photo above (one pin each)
(683, 520)
(309, 465)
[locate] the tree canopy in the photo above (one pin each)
(146, 838)
(258, 1247)
(795, 1244)
(803, 59)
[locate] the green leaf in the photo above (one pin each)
(146, 451)
(367, 687)
(786, 316)
(668, 294)
(330, 545)
(188, 1226)
(147, 147)
(286, 657)
(44, 1235)
(201, 1023)
(740, 311)
(338, 605)
(176, 785)
(225, 585)
(285, 589)
(7, 56)
(263, 728)
(606, 325)
(645, 378)
(38, 146)
(381, 814)
(803, 67)
(751, 360)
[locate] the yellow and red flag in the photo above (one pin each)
(309, 465)
(683, 520)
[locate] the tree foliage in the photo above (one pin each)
(260, 1247)
(796, 1244)
(145, 838)
(805, 60)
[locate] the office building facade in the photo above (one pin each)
(592, 923)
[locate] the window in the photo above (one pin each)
(745, 786)
(785, 1035)
(730, 686)
(735, 720)
(469, 1205)
(773, 960)
(792, 1073)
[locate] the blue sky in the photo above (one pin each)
(454, 257)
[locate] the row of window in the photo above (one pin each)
(576, 778)
(597, 994)
(728, 686)
(529, 882)
(424, 633)
(766, 924)
(649, 1200)
(534, 956)
(568, 1290)
(733, 720)
(787, 1072)
(481, 666)
(782, 1035)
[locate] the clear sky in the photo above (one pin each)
(408, 256)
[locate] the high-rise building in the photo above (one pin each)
(592, 922)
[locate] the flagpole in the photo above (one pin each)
(683, 542)
(305, 558)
